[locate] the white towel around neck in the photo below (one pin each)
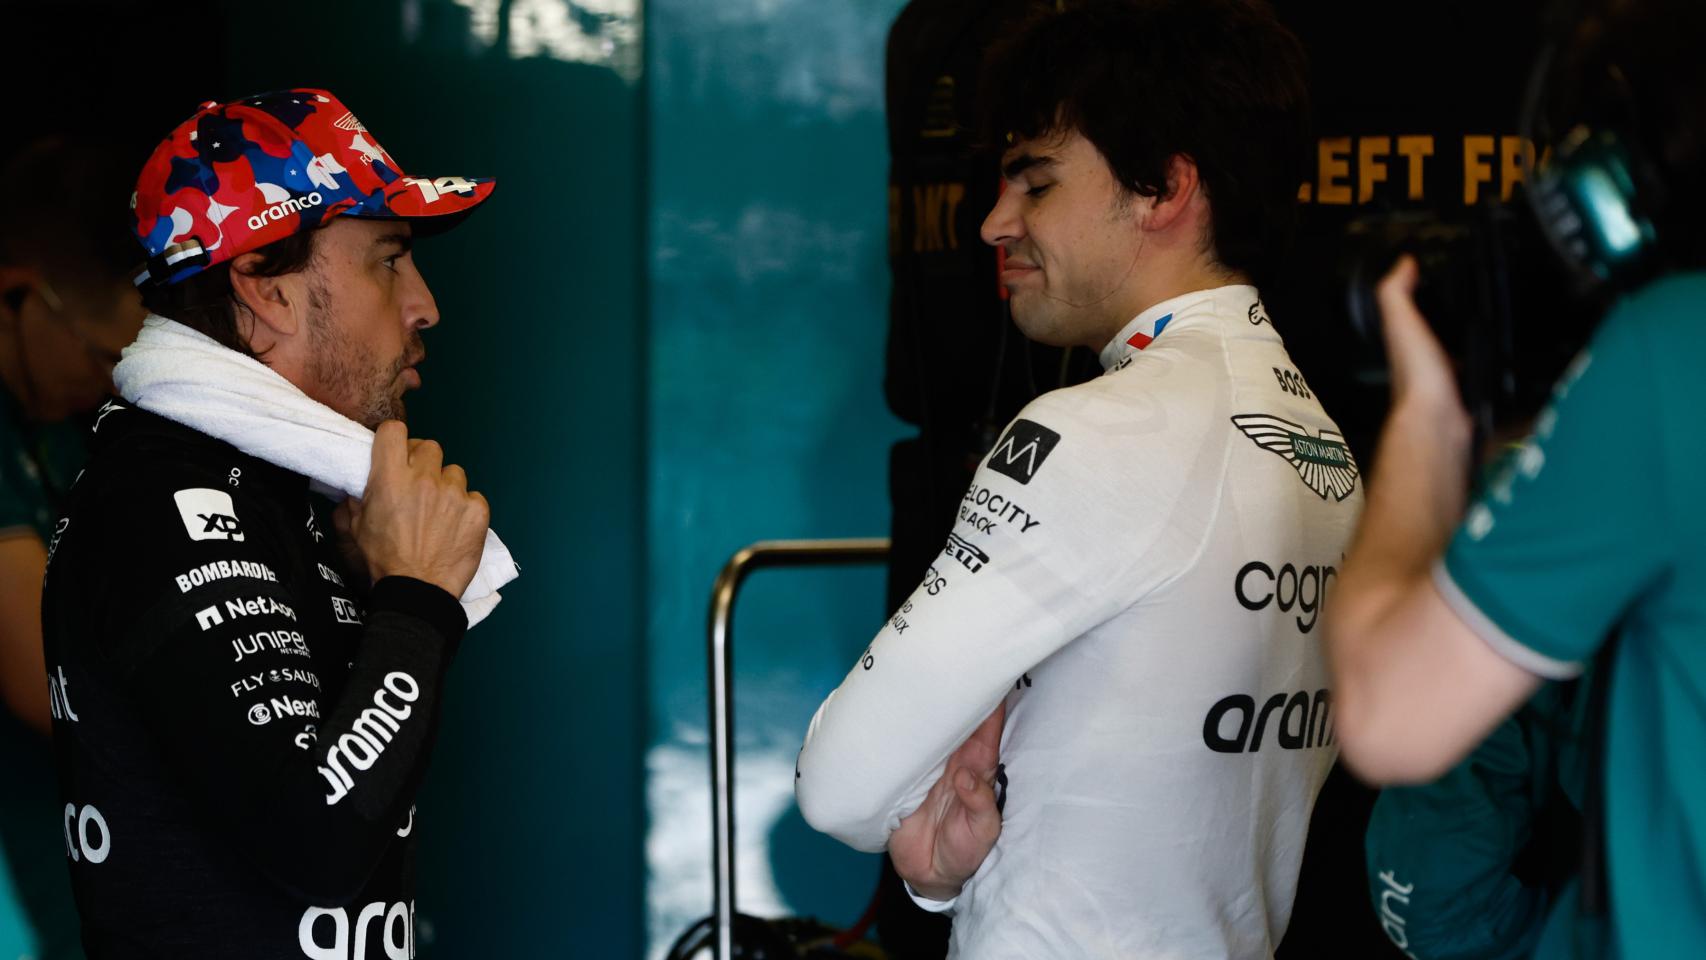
(187, 377)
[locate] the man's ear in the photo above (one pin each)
(1183, 189)
(271, 301)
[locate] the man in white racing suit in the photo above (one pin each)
(1098, 727)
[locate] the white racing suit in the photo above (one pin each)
(1138, 568)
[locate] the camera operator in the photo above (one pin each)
(1582, 549)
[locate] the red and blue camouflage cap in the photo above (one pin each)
(238, 176)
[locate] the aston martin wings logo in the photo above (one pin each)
(1324, 462)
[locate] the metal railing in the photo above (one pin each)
(719, 652)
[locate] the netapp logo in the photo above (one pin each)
(285, 208)
(237, 609)
(1020, 454)
(1304, 722)
(397, 932)
(1304, 589)
(224, 570)
(208, 514)
(369, 734)
(965, 552)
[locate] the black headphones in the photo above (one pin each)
(1597, 195)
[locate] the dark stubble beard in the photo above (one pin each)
(346, 368)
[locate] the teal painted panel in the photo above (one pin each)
(532, 816)
(17, 937)
(768, 296)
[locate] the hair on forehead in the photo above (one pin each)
(1219, 81)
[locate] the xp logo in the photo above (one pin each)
(1021, 453)
(260, 715)
(285, 208)
(208, 514)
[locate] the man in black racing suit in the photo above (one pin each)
(245, 699)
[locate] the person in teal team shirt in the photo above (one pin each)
(66, 309)
(1467, 867)
(1446, 620)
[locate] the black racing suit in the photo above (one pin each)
(240, 724)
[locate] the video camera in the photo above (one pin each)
(1597, 201)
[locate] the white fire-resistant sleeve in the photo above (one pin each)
(1061, 529)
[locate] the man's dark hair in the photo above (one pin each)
(206, 301)
(1220, 81)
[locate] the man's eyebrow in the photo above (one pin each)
(1025, 161)
(404, 241)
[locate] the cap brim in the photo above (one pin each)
(432, 205)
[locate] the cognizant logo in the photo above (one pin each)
(361, 746)
(285, 208)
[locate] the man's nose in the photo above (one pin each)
(1003, 225)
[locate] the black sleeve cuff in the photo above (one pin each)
(417, 598)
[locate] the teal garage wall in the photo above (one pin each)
(768, 296)
(532, 816)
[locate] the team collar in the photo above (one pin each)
(1181, 311)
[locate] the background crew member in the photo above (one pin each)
(1585, 549)
(66, 309)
